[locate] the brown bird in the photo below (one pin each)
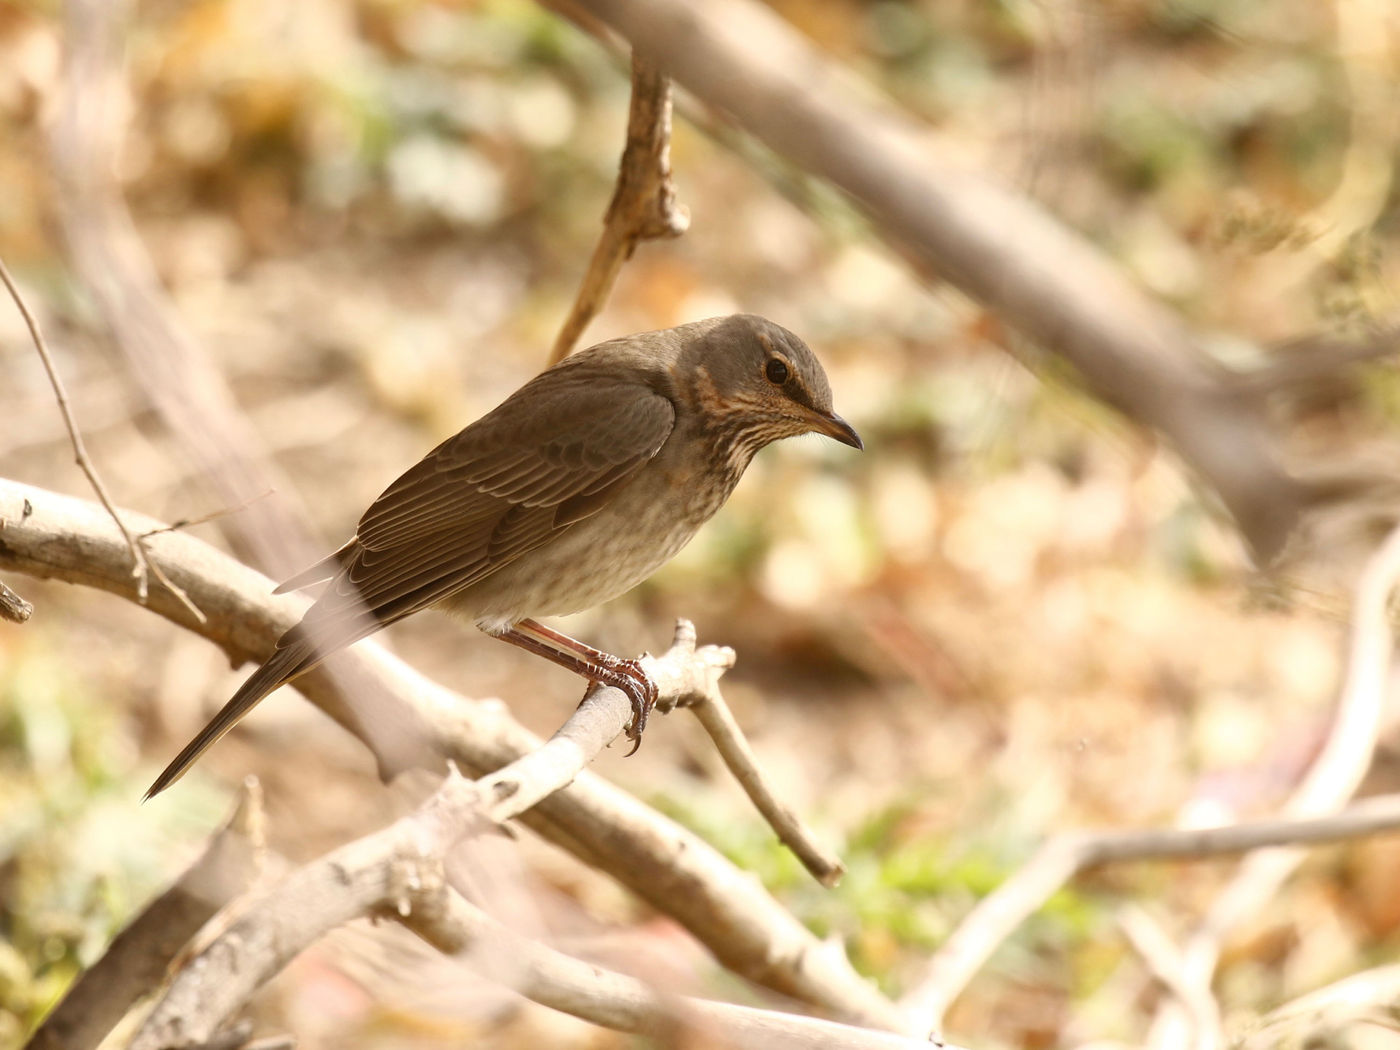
(577, 487)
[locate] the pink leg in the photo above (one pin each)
(593, 664)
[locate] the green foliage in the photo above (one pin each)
(77, 855)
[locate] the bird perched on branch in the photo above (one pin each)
(574, 489)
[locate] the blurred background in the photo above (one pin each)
(1011, 615)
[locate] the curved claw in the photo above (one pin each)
(643, 693)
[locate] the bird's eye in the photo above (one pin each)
(776, 371)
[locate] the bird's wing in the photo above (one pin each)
(546, 458)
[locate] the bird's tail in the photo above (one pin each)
(290, 660)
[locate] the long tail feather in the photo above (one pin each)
(313, 574)
(281, 666)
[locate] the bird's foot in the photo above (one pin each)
(598, 667)
(629, 676)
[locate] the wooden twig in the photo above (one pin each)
(1315, 1018)
(1164, 961)
(135, 961)
(141, 568)
(202, 519)
(643, 205)
(704, 699)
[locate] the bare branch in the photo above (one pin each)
(1063, 857)
(399, 873)
(643, 205)
(409, 721)
(1166, 964)
(616, 1001)
(704, 699)
(960, 226)
(1332, 779)
(135, 961)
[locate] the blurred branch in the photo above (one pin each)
(629, 1005)
(1365, 48)
(958, 225)
(399, 873)
(1299, 364)
(407, 720)
(706, 702)
(1166, 964)
(136, 960)
(1066, 855)
(187, 391)
(1312, 1020)
(643, 205)
(1333, 778)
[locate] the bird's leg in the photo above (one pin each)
(593, 664)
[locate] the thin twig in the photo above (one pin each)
(1166, 964)
(701, 695)
(140, 567)
(706, 702)
(1311, 1018)
(643, 205)
(1333, 777)
(186, 523)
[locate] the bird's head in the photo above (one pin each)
(762, 382)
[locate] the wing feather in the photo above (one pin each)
(500, 488)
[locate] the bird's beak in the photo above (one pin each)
(833, 426)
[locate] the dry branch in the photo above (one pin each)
(1317, 1018)
(1063, 857)
(960, 226)
(643, 205)
(719, 722)
(400, 873)
(409, 721)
